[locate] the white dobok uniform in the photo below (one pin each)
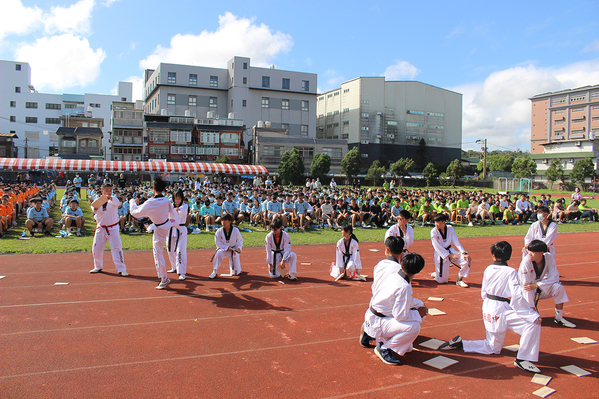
(161, 212)
(392, 317)
(547, 280)
(275, 253)
(504, 307)
(346, 259)
(223, 243)
(444, 246)
(176, 244)
(536, 232)
(107, 229)
(408, 236)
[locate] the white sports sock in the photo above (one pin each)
(78, 230)
(559, 313)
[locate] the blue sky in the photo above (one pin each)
(496, 54)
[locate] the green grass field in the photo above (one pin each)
(11, 244)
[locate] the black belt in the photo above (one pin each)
(497, 298)
(158, 225)
(378, 314)
(170, 236)
(447, 248)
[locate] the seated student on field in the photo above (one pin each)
(496, 210)
(573, 212)
(509, 216)
(426, 213)
(484, 212)
(73, 215)
(37, 218)
(587, 212)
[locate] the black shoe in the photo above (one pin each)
(365, 338)
(386, 355)
(455, 343)
(47, 233)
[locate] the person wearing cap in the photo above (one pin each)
(38, 218)
(73, 215)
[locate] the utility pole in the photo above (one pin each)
(484, 142)
(25, 147)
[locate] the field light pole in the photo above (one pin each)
(484, 142)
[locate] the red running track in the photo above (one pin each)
(109, 336)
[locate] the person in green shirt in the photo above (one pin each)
(426, 212)
(443, 208)
(591, 213)
(462, 206)
(509, 217)
(386, 185)
(495, 209)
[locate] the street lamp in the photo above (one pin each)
(484, 143)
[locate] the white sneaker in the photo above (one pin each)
(182, 277)
(434, 274)
(526, 366)
(461, 283)
(124, 274)
(70, 233)
(292, 277)
(78, 234)
(94, 270)
(470, 224)
(212, 275)
(163, 284)
(173, 270)
(565, 323)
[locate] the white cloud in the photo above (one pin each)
(498, 108)
(108, 3)
(593, 46)
(330, 80)
(74, 19)
(60, 62)
(137, 87)
(401, 70)
(17, 19)
(234, 36)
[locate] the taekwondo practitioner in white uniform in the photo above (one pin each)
(543, 229)
(229, 244)
(401, 229)
(444, 240)
(107, 218)
(540, 280)
(504, 307)
(394, 316)
(347, 260)
(162, 214)
(176, 244)
(278, 252)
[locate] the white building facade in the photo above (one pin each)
(35, 116)
(286, 99)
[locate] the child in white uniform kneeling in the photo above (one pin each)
(278, 252)
(229, 244)
(347, 262)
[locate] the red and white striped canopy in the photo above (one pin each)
(88, 165)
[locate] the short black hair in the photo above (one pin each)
(276, 224)
(228, 217)
(104, 185)
(537, 246)
(543, 208)
(159, 184)
(395, 244)
(440, 217)
(405, 214)
(412, 263)
(502, 251)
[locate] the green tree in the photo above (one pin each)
(430, 173)
(421, 156)
(555, 172)
(402, 167)
(455, 170)
(291, 169)
(524, 167)
(351, 163)
(582, 169)
(374, 172)
(320, 166)
(223, 159)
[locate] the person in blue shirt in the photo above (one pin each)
(218, 210)
(38, 218)
(300, 210)
(77, 182)
(245, 208)
(274, 210)
(255, 213)
(73, 215)
(230, 207)
(209, 215)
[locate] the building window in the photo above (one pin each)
(69, 143)
(305, 105)
(273, 151)
(285, 126)
(244, 103)
(209, 137)
(285, 84)
(578, 98)
(345, 90)
(213, 102)
(364, 101)
(304, 130)
(559, 112)
(213, 81)
(306, 152)
(53, 121)
(245, 65)
(344, 136)
(13, 118)
(578, 131)
(245, 80)
(365, 115)
(13, 104)
(17, 89)
(265, 102)
(193, 101)
(172, 78)
(31, 119)
(170, 99)
(333, 152)
(415, 112)
(285, 104)
(578, 109)
(305, 85)
(345, 110)
(578, 120)
(392, 123)
(365, 128)
(95, 105)
(53, 106)
(181, 136)
(230, 138)
(265, 81)
(30, 105)
(345, 123)
(17, 67)
(193, 79)
(430, 113)
(560, 100)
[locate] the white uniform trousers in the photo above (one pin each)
(234, 260)
(350, 270)
(555, 291)
(530, 339)
(177, 256)
(442, 267)
(116, 247)
(292, 265)
(158, 240)
(395, 335)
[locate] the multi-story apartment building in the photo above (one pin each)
(7, 145)
(286, 99)
(564, 125)
(80, 137)
(185, 138)
(35, 116)
(127, 131)
(387, 119)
